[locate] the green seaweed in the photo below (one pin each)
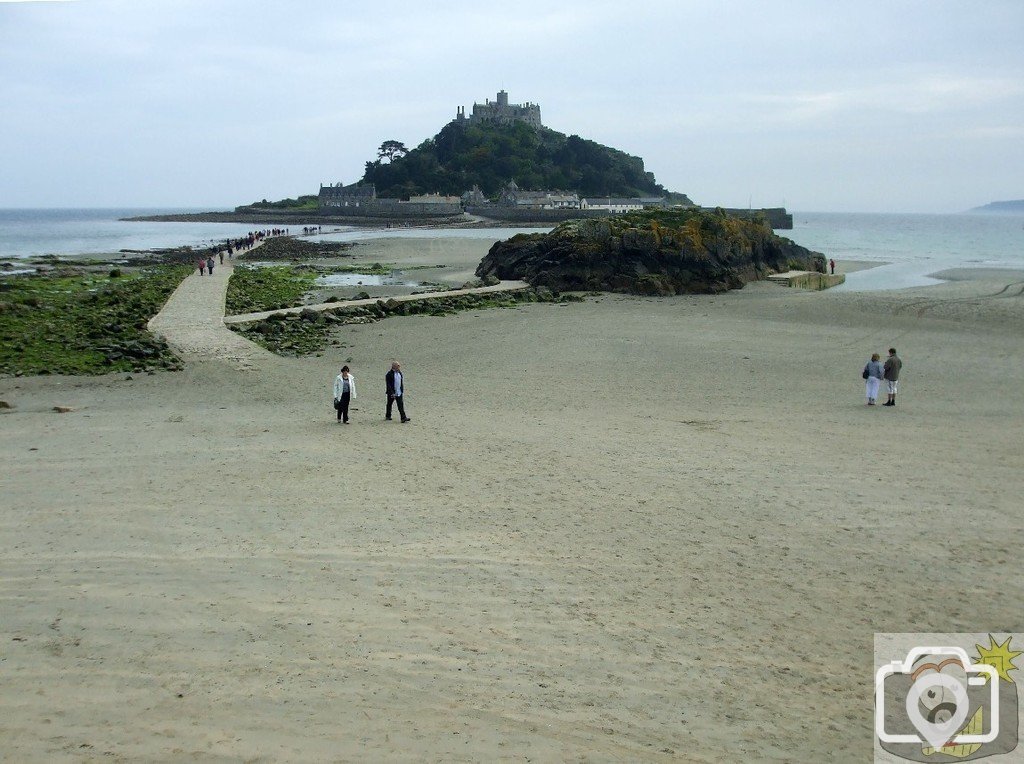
(57, 323)
(251, 290)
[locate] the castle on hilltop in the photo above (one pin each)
(502, 112)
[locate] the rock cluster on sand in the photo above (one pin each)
(651, 252)
(308, 330)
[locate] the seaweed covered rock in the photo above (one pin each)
(654, 252)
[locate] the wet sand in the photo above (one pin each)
(624, 529)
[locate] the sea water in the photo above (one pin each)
(913, 246)
(31, 232)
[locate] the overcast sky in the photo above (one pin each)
(901, 106)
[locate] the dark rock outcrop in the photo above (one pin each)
(660, 252)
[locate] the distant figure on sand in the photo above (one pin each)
(832, 265)
(394, 381)
(344, 393)
(222, 257)
(202, 266)
(209, 264)
(872, 374)
(893, 364)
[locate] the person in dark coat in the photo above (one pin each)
(893, 366)
(394, 382)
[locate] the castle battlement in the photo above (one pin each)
(502, 112)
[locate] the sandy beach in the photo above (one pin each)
(625, 529)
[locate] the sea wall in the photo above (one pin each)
(777, 217)
(534, 215)
(393, 208)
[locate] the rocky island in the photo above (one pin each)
(653, 252)
(497, 165)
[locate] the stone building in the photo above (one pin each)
(434, 198)
(511, 195)
(339, 195)
(361, 200)
(502, 112)
(474, 197)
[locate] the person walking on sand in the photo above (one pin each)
(209, 264)
(202, 266)
(872, 374)
(394, 382)
(344, 393)
(893, 365)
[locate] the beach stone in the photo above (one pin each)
(5, 405)
(308, 314)
(63, 409)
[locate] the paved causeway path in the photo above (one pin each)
(192, 322)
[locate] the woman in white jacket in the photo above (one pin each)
(344, 392)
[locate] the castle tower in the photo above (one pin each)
(502, 112)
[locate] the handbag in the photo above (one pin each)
(337, 404)
(864, 374)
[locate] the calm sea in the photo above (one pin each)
(25, 232)
(913, 245)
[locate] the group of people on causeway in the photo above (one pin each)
(205, 264)
(875, 371)
(394, 387)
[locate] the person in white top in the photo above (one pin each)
(344, 393)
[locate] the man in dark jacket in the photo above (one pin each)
(893, 364)
(394, 381)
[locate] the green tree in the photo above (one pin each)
(391, 149)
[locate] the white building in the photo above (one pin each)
(611, 204)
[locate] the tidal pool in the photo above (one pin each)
(395, 278)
